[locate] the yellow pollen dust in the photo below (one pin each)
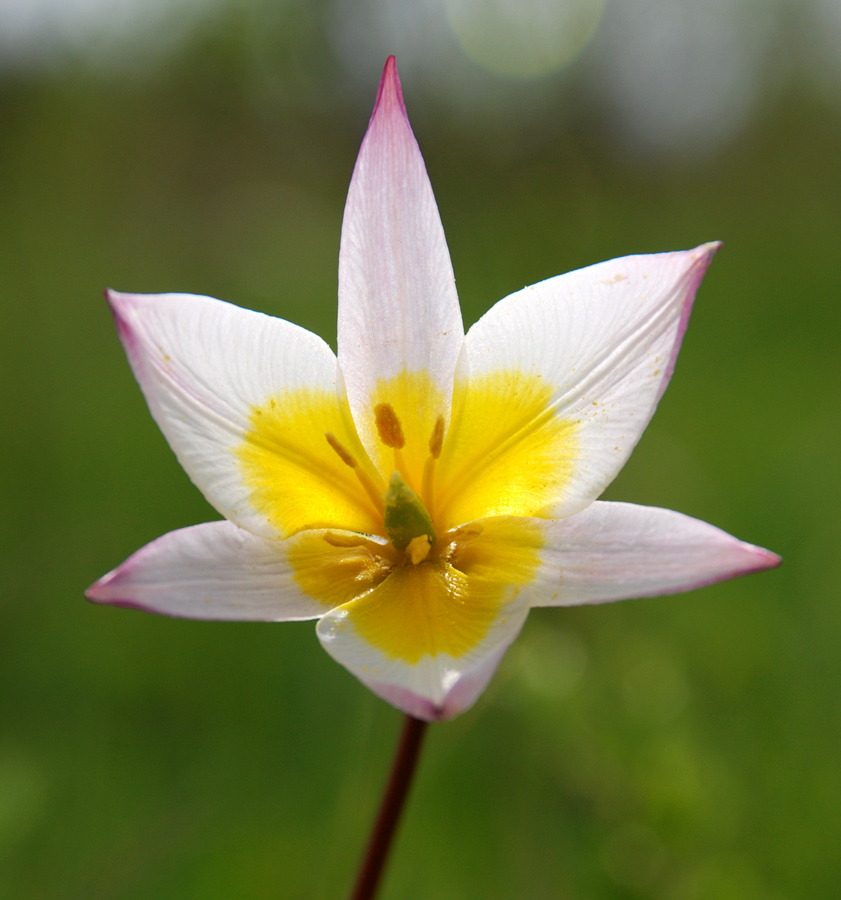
(389, 427)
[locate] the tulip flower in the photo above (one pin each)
(419, 493)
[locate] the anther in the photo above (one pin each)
(343, 454)
(388, 426)
(436, 442)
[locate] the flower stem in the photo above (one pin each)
(402, 770)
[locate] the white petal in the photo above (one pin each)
(205, 367)
(210, 571)
(617, 551)
(398, 307)
(435, 686)
(605, 340)
(413, 691)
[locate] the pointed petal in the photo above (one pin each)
(398, 308)
(617, 551)
(558, 381)
(467, 683)
(210, 571)
(245, 401)
(429, 637)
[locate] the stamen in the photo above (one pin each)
(391, 434)
(344, 456)
(350, 541)
(344, 540)
(388, 426)
(436, 442)
(374, 491)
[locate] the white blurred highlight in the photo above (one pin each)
(523, 38)
(683, 77)
(36, 32)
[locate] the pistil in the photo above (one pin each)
(406, 519)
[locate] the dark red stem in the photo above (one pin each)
(405, 761)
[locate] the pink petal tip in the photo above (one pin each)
(106, 592)
(696, 274)
(390, 93)
(118, 304)
(757, 559)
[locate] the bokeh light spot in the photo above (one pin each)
(523, 38)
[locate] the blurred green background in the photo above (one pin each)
(684, 748)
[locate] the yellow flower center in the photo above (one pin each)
(395, 536)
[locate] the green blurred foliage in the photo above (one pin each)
(683, 748)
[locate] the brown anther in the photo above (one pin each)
(436, 442)
(388, 426)
(343, 454)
